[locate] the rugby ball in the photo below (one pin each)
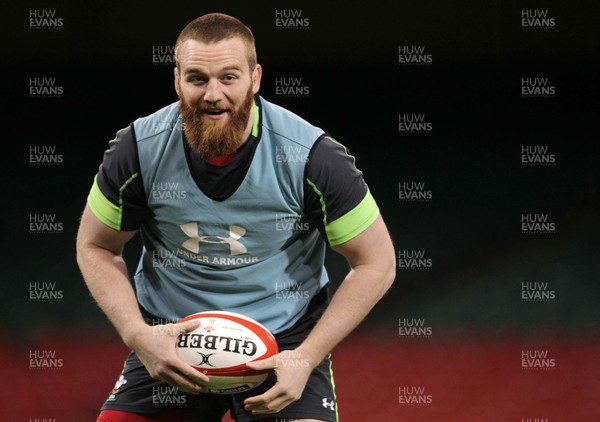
(221, 347)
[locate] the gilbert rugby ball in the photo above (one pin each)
(221, 347)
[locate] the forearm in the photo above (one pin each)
(362, 288)
(106, 276)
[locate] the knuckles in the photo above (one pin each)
(162, 369)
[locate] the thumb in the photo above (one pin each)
(187, 326)
(259, 365)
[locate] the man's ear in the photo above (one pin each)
(256, 77)
(176, 80)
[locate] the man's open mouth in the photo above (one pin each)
(215, 112)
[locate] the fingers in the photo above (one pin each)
(184, 383)
(194, 375)
(260, 365)
(188, 371)
(272, 401)
(164, 364)
(183, 376)
(292, 368)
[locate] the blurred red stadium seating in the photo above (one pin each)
(467, 379)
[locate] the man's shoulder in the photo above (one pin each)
(275, 114)
(163, 120)
(285, 124)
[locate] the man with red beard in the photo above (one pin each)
(236, 200)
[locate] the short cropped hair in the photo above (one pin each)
(215, 27)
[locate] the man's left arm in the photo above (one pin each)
(372, 271)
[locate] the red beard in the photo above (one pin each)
(213, 138)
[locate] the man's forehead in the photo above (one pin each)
(231, 52)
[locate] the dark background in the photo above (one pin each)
(348, 56)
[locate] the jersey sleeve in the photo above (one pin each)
(336, 199)
(117, 197)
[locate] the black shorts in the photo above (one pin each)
(135, 391)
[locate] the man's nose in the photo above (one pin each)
(213, 93)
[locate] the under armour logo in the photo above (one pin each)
(205, 359)
(193, 243)
(328, 403)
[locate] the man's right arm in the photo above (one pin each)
(105, 273)
(99, 255)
